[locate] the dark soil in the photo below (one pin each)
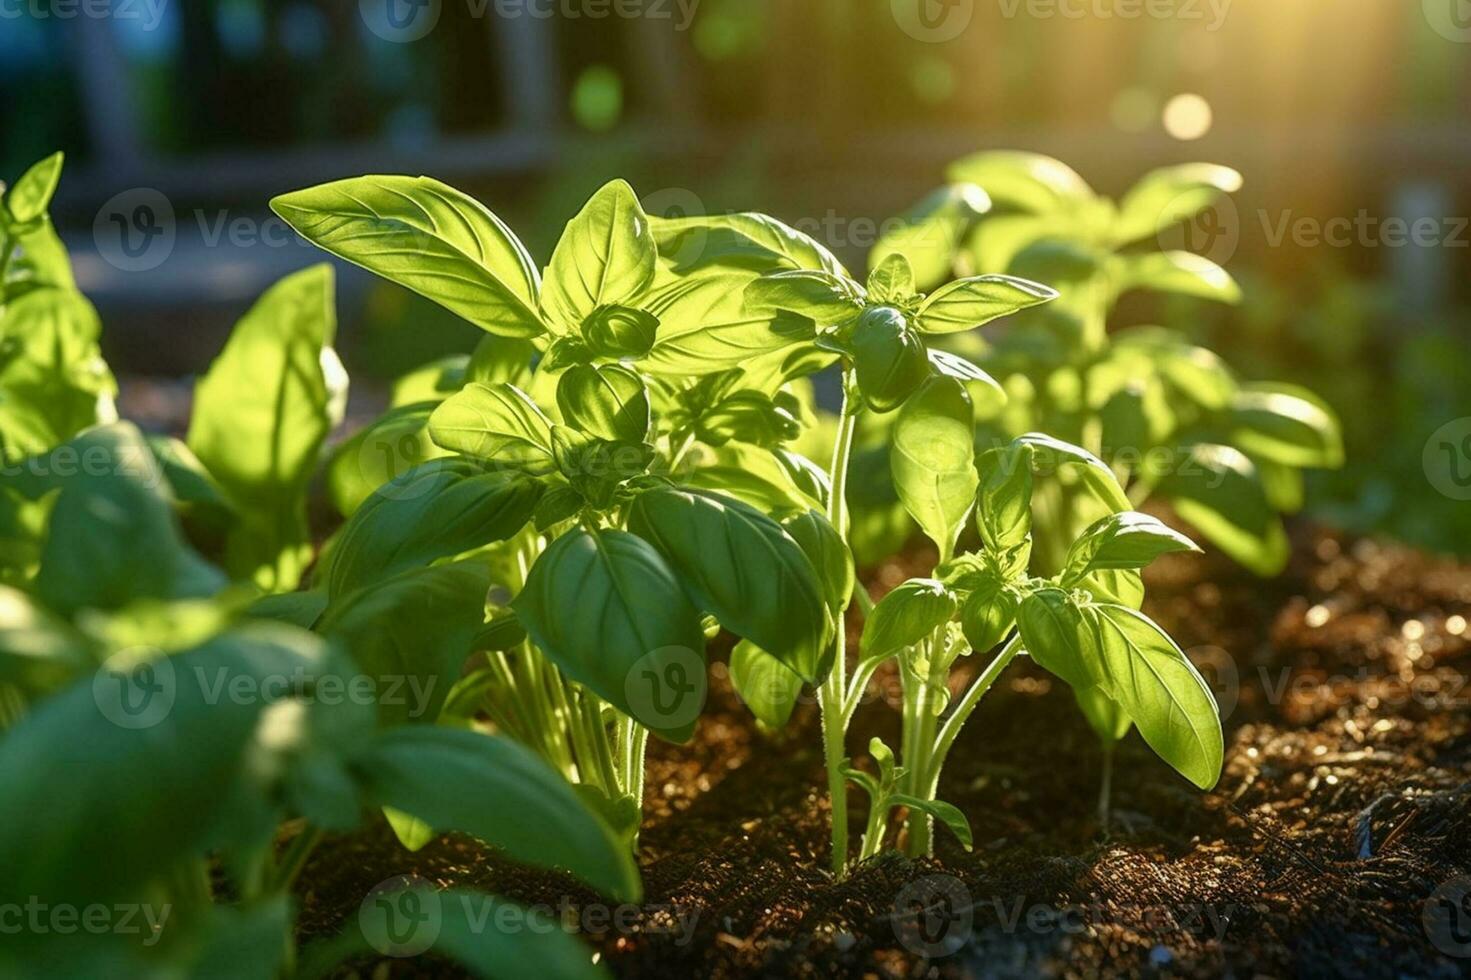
(1338, 842)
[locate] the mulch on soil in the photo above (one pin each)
(1338, 842)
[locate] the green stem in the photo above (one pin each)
(597, 733)
(635, 786)
(1105, 789)
(294, 860)
(918, 753)
(873, 833)
(12, 706)
(862, 674)
(967, 703)
(832, 695)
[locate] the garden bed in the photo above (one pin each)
(1342, 808)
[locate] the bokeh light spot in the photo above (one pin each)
(597, 99)
(1188, 117)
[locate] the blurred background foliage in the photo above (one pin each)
(826, 113)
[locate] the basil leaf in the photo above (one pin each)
(112, 537)
(829, 554)
(946, 813)
(1109, 721)
(753, 476)
(739, 565)
(767, 686)
(609, 611)
(1170, 195)
(432, 382)
(705, 327)
(969, 303)
(756, 242)
(987, 616)
(1053, 456)
(1121, 586)
(929, 234)
(617, 331)
(606, 256)
(1156, 685)
(1027, 181)
(1287, 425)
(1217, 491)
(261, 415)
(829, 299)
(932, 458)
(908, 614)
(500, 360)
(561, 503)
(30, 196)
(54, 380)
(39, 653)
(161, 751)
(609, 402)
(428, 237)
(954, 366)
(597, 467)
(387, 447)
(1182, 273)
(1004, 500)
(441, 509)
(496, 422)
(1124, 540)
(747, 416)
(1194, 373)
(1058, 638)
(891, 281)
(499, 792)
(410, 635)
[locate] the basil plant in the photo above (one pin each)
(54, 380)
(1170, 418)
(612, 454)
(1081, 624)
(207, 741)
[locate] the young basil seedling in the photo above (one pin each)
(1082, 624)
